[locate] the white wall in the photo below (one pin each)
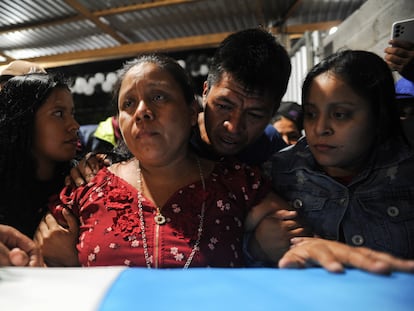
(368, 28)
(304, 57)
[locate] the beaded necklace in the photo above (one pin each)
(161, 220)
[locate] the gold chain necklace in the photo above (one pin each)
(160, 219)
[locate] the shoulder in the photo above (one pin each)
(394, 153)
(293, 157)
(104, 186)
(262, 149)
(301, 147)
(271, 137)
(270, 131)
(86, 131)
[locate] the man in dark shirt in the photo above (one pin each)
(247, 79)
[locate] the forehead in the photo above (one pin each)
(228, 87)
(331, 86)
(147, 72)
(59, 96)
(141, 70)
(329, 83)
(329, 93)
(228, 81)
(284, 122)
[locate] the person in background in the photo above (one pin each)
(351, 177)
(100, 138)
(404, 90)
(16, 249)
(288, 121)
(18, 68)
(164, 206)
(400, 57)
(38, 139)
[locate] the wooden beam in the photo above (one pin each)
(301, 28)
(97, 14)
(42, 24)
(140, 6)
(87, 14)
(280, 26)
(131, 50)
(292, 9)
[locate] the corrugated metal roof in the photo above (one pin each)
(59, 32)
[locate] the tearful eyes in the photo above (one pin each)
(158, 97)
(341, 115)
(224, 107)
(151, 99)
(126, 104)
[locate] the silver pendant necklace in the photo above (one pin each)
(161, 220)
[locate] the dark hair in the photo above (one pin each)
(256, 60)
(370, 77)
(292, 111)
(20, 99)
(164, 62)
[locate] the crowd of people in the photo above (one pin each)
(246, 198)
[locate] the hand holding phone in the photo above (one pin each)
(400, 54)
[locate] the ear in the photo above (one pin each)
(195, 109)
(205, 91)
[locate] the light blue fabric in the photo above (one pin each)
(258, 289)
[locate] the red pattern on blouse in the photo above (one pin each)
(110, 226)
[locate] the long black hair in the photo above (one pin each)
(20, 99)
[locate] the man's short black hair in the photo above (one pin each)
(256, 60)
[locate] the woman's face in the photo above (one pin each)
(56, 128)
(154, 117)
(288, 130)
(339, 125)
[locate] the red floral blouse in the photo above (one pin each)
(110, 231)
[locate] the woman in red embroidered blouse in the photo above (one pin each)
(110, 223)
(164, 207)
